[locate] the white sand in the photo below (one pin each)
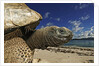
(49, 56)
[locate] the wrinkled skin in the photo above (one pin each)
(49, 36)
(20, 50)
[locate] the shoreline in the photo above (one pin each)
(67, 54)
(77, 46)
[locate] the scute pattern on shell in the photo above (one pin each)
(17, 51)
(19, 14)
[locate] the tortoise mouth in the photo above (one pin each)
(64, 38)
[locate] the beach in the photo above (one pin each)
(66, 54)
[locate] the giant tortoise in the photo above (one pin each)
(21, 38)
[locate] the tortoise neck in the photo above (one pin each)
(16, 33)
(26, 34)
(41, 39)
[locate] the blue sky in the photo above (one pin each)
(78, 17)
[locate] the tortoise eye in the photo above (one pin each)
(61, 30)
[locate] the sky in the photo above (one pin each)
(78, 17)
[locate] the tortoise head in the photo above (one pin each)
(49, 36)
(61, 33)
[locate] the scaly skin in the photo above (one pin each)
(49, 36)
(15, 48)
(20, 50)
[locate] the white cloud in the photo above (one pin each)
(76, 26)
(48, 24)
(81, 6)
(86, 34)
(57, 19)
(78, 30)
(85, 17)
(46, 15)
(83, 34)
(42, 26)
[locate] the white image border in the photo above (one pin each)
(96, 32)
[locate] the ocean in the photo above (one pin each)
(80, 43)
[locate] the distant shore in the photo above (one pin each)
(65, 54)
(84, 39)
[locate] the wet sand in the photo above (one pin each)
(64, 55)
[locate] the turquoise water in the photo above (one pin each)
(81, 43)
